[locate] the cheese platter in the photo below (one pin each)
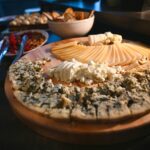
(77, 99)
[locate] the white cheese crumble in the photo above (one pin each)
(70, 71)
(105, 38)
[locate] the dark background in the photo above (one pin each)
(13, 7)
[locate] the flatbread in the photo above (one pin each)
(125, 97)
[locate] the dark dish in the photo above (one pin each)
(35, 39)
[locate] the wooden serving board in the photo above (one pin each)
(75, 132)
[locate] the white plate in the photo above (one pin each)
(44, 33)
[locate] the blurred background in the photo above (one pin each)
(14, 7)
(129, 15)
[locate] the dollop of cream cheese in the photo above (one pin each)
(70, 71)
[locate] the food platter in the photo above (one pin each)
(42, 32)
(74, 131)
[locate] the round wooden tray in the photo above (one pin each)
(75, 132)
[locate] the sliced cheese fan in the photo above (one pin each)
(109, 49)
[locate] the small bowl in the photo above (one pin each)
(44, 33)
(72, 28)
